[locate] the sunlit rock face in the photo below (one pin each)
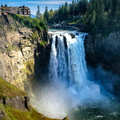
(15, 59)
(16, 53)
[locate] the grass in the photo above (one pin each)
(10, 113)
(15, 114)
(43, 43)
(8, 90)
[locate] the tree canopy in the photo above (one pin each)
(93, 16)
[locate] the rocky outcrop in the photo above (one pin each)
(18, 102)
(104, 50)
(14, 104)
(18, 48)
(16, 54)
(23, 51)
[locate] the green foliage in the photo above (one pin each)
(34, 36)
(38, 14)
(93, 16)
(43, 43)
(11, 113)
(8, 90)
(46, 14)
(10, 48)
(29, 67)
(38, 24)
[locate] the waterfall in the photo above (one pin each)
(68, 86)
(67, 60)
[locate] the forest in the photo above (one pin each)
(93, 16)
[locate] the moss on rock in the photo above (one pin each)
(8, 90)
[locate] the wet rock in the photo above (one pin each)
(27, 105)
(65, 42)
(72, 35)
(105, 50)
(66, 118)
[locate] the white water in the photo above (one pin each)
(68, 63)
(68, 84)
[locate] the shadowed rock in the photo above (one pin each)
(65, 42)
(56, 41)
(66, 118)
(72, 35)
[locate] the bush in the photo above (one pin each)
(38, 24)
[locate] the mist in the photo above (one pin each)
(57, 100)
(72, 84)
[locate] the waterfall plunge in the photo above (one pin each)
(67, 60)
(68, 86)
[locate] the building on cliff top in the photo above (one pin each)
(22, 10)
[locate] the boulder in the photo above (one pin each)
(72, 35)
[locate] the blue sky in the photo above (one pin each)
(32, 4)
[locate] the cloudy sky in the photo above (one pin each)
(32, 4)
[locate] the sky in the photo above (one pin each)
(32, 4)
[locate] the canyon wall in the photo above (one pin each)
(105, 51)
(18, 50)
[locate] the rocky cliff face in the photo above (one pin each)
(18, 47)
(106, 52)
(14, 104)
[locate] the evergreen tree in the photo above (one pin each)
(1, 5)
(51, 13)
(107, 4)
(38, 14)
(66, 12)
(83, 5)
(114, 8)
(6, 5)
(72, 8)
(46, 14)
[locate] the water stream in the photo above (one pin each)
(70, 91)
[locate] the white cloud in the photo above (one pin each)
(48, 2)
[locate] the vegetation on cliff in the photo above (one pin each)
(19, 37)
(8, 90)
(92, 16)
(38, 24)
(8, 111)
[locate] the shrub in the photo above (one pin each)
(38, 24)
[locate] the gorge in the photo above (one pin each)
(73, 88)
(61, 76)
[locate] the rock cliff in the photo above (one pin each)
(106, 52)
(14, 104)
(18, 47)
(24, 55)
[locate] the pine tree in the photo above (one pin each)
(66, 12)
(83, 5)
(72, 8)
(38, 14)
(6, 5)
(114, 8)
(51, 13)
(46, 14)
(1, 5)
(107, 4)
